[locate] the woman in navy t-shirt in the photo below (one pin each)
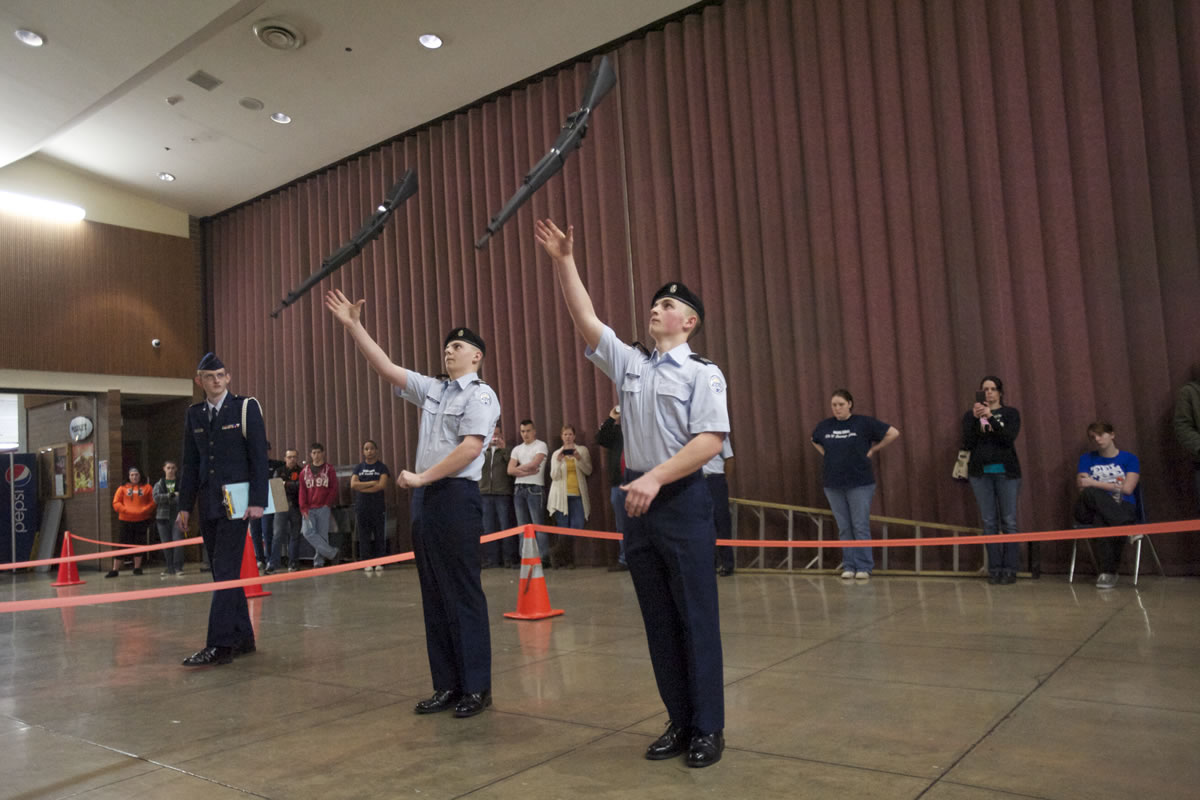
(369, 480)
(848, 441)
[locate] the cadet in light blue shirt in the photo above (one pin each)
(675, 420)
(458, 416)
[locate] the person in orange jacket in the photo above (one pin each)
(134, 504)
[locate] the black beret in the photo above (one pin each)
(683, 294)
(466, 335)
(210, 362)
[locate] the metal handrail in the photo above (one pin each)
(817, 516)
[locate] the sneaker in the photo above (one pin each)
(1107, 580)
(847, 574)
(862, 576)
(112, 573)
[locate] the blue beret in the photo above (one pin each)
(681, 293)
(466, 335)
(210, 362)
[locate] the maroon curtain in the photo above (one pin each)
(892, 197)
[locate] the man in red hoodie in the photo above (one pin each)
(318, 493)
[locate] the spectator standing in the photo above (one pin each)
(609, 437)
(568, 502)
(1107, 479)
(368, 483)
(166, 508)
(1187, 426)
(318, 494)
(496, 491)
(527, 464)
(134, 504)
(989, 431)
(847, 441)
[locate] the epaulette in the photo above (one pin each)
(701, 359)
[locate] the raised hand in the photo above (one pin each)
(343, 310)
(558, 245)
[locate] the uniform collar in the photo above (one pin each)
(678, 354)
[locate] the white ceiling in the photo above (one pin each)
(94, 96)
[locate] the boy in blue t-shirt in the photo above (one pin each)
(1107, 478)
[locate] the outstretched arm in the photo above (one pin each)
(350, 315)
(560, 246)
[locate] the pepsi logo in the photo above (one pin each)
(18, 475)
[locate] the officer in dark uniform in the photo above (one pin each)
(224, 442)
(458, 415)
(674, 415)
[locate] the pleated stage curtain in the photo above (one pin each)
(897, 198)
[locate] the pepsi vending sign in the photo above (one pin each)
(19, 511)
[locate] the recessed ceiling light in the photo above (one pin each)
(281, 118)
(166, 176)
(430, 40)
(29, 37)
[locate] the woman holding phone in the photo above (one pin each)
(989, 431)
(568, 501)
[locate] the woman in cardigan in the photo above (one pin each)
(568, 502)
(989, 431)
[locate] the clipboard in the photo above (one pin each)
(236, 496)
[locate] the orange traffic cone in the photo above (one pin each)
(532, 600)
(68, 571)
(250, 570)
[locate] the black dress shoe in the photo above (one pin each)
(673, 742)
(209, 657)
(705, 749)
(471, 704)
(245, 648)
(441, 701)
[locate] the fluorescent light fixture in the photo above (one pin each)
(430, 40)
(27, 206)
(166, 176)
(281, 118)
(31, 38)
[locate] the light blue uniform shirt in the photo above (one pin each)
(450, 411)
(665, 399)
(717, 465)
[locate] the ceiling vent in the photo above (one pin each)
(204, 80)
(278, 35)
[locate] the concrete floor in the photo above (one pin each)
(947, 689)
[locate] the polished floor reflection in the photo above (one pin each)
(947, 689)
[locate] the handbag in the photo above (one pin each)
(959, 473)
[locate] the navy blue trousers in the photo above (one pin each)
(228, 616)
(447, 521)
(670, 551)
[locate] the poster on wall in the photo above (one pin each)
(83, 460)
(102, 478)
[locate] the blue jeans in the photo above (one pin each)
(529, 501)
(616, 496)
(997, 498)
(852, 511)
(260, 533)
(316, 530)
(287, 529)
(498, 516)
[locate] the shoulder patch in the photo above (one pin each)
(700, 358)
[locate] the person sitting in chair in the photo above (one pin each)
(1107, 479)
